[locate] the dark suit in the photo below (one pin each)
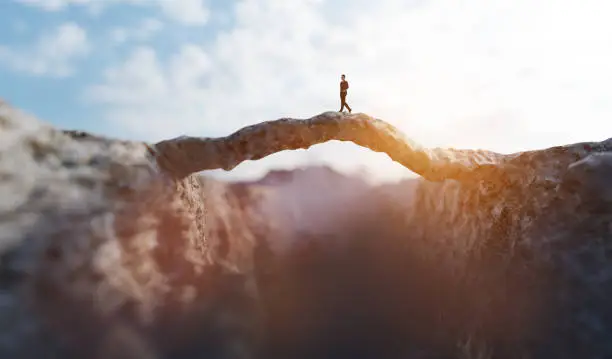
(343, 90)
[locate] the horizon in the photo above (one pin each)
(506, 77)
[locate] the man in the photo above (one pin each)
(343, 89)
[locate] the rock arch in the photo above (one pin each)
(186, 155)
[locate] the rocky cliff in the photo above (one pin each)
(104, 255)
(115, 249)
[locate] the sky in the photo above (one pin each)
(506, 75)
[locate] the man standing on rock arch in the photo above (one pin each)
(344, 85)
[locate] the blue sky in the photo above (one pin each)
(58, 99)
(504, 75)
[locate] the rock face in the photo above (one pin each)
(104, 255)
(115, 249)
(186, 155)
(539, 217)
(554, 221)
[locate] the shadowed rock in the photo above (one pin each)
(96, 240)
(546, 210)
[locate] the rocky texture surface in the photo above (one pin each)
(547, 210)
(113, 249)
(544, 214)
(103, 253)
(186, 155)
(551, 221)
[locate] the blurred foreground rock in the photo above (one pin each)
(103, 255)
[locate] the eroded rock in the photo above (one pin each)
(96, 239)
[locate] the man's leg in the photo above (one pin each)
(342, 101)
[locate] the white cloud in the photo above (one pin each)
(186, 12)
(189, 12)
(140, 71)
(142, 32)
(506, 75)
(54, 54)
(53, 5)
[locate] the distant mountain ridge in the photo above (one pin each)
(318, 200)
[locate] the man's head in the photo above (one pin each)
(343, 76)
